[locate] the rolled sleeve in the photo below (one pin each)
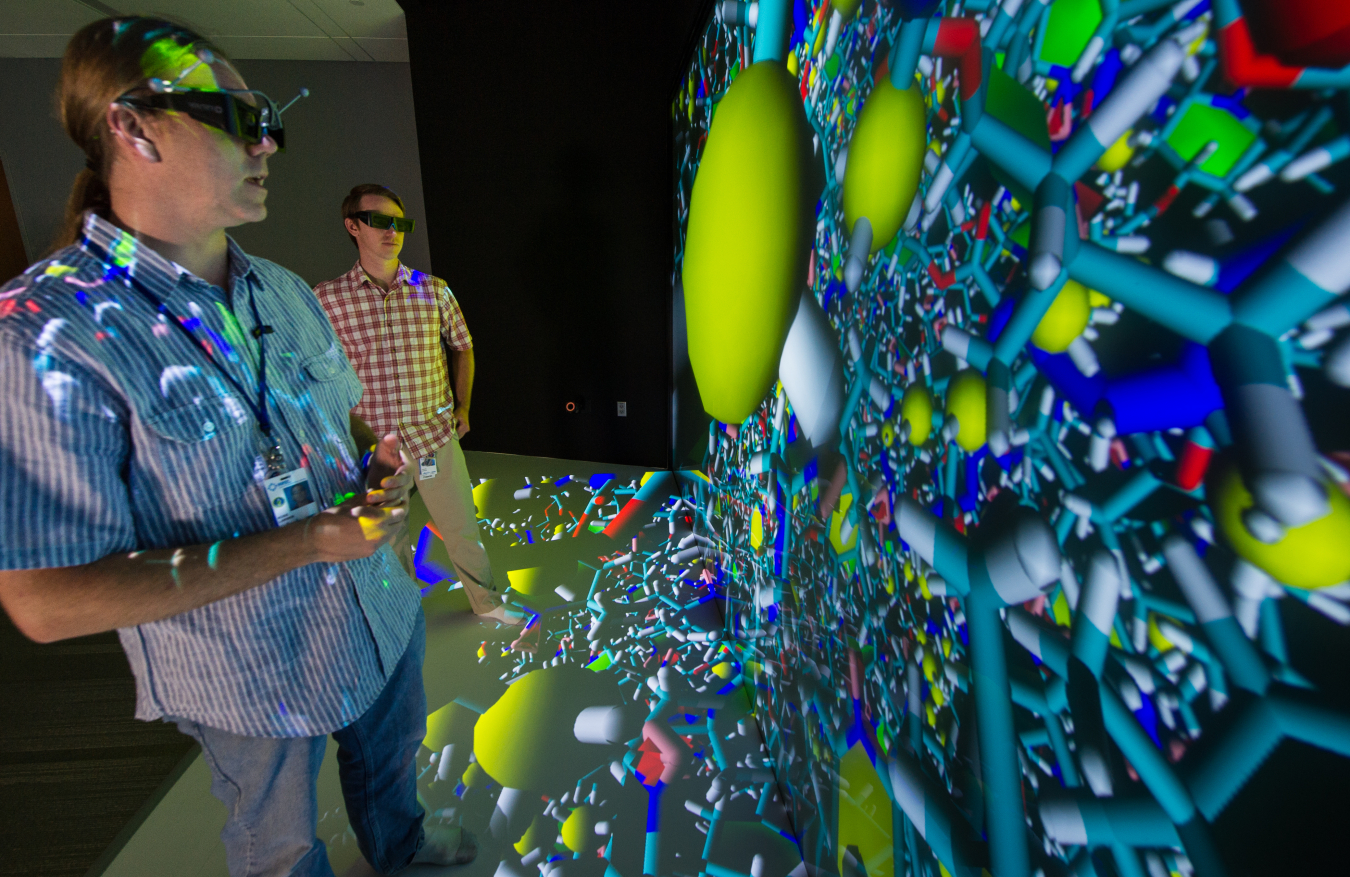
(63, 448)
(453, 328)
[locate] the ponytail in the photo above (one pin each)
(89, 192)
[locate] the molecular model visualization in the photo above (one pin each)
(1009, 529)
(1011, 355)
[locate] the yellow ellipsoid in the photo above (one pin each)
(1115, 157)
(525, 739)
(490, 498)
(837, 522)
(845, 8)
(965, 400)
(885, 159)
(1066, 319)
(749, 233)
(1155, 635)
(916, 409)
(473, 776)
(864, 814)
(539, 834)
(578, 830)
(528, 581)
(451, 723)
(480, 497)
(1315, 555)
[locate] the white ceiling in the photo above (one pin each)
(299, 30)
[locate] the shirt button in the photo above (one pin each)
(209, 426)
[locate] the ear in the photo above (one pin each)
(126, 128)
(352, 228)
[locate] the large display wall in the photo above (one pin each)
(1010, 357)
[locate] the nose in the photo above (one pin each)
(267, 146)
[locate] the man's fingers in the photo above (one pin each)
(379, 523)
(370, 511)
(397, 480)
(392, 490)
(387, 454)
(388, 459)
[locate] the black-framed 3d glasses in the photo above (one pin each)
(226, 110)
(384, 221)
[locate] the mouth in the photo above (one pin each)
(257, 181)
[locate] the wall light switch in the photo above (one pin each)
(623, 409)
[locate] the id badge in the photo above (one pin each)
(291, 496)
(426, 468)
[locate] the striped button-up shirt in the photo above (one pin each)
(119, 434)
(393, 339)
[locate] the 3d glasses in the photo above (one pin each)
(226, 110)
(384, 220)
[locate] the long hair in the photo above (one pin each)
(103, 61)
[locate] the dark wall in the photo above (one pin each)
(356, 126)
(545, 140)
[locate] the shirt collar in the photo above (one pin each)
(122, 253)
(402, 277)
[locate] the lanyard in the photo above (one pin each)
(272, 452)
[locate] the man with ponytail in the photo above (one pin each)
(182, 464)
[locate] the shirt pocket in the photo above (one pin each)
(333, 381)
(204, 454)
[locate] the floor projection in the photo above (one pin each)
(613, 732)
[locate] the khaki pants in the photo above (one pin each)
(449, 499)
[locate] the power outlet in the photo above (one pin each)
(623, 409)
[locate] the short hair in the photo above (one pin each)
(351, 205)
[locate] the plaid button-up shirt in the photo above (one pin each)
(393, 340)
(118, 433)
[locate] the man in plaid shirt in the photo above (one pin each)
(392, 321)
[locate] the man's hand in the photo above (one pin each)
(350, 531)
(388, 483)
(461, 422)
(359, 526)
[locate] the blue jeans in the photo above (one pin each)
(267, 784)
